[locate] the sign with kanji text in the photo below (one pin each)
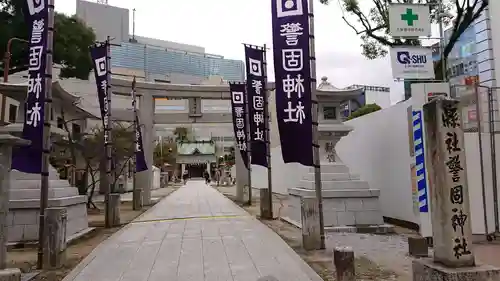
(239, 112)
(257, 103)
(409, 20)
(29, 159)
(292, 68)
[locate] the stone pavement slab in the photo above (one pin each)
(195, 234)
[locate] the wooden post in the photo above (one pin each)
(310, 223)
(113, 210)
(265, 208)
(343, 259)
(55, 244)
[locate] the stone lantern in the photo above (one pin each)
(348, 201)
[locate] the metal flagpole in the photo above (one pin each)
(107, 135)
(44, 192)
(267, 125)
(314, 117)
(249, 151)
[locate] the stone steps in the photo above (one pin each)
(332, 168)
(30, 193)
(332, 177)
(336, 184)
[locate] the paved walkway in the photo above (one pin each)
(195, 234)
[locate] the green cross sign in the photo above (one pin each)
(409, 17)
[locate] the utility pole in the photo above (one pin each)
(442, 39)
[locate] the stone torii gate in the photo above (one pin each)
(147, 92)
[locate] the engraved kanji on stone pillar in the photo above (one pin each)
(450, 210)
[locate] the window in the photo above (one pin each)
(329, 113)
(76, 131)
(12, 113)
(60, 123)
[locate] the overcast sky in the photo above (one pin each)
(222, 25)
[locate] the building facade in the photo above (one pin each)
(152, 59)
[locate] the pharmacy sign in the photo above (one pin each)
(409, 20)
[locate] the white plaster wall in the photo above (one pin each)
(378, 150)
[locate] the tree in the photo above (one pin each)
(165, 153)
(90, 147)
(369, 108)
(71, 41)
(372, 26)
(181, 134)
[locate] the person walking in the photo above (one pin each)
(185, 176)
(206, 175)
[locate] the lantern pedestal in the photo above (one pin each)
(24, 201)
(349, 204)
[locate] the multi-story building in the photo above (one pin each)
(371, 94)
(163, 61)
(152, 59)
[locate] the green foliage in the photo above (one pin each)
(71, 41)
(372, 24)
(229, 159)
(181, 134)
(369, 108)
(165, 153)
(91, 146)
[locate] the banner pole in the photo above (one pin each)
(314, 117)
(267, 135)
(136, 193)
(44, 191)
(107, 136)
(249, 151)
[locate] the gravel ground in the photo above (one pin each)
(388, 251)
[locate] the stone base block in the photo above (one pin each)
(23, 217)
(10, 274)
(426, 270)
(417, 246)
(370, 229)
(341, 208)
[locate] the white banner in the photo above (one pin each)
(410, 62)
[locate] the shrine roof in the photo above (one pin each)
(196, 148)
(18, 91)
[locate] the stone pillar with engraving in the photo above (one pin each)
(450, 207)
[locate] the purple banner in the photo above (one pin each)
(29, 159)
(238, 106)
(99, 54)
(292, 70)
(140, 159)
(256, 91)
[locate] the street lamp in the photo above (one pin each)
(6, 60)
